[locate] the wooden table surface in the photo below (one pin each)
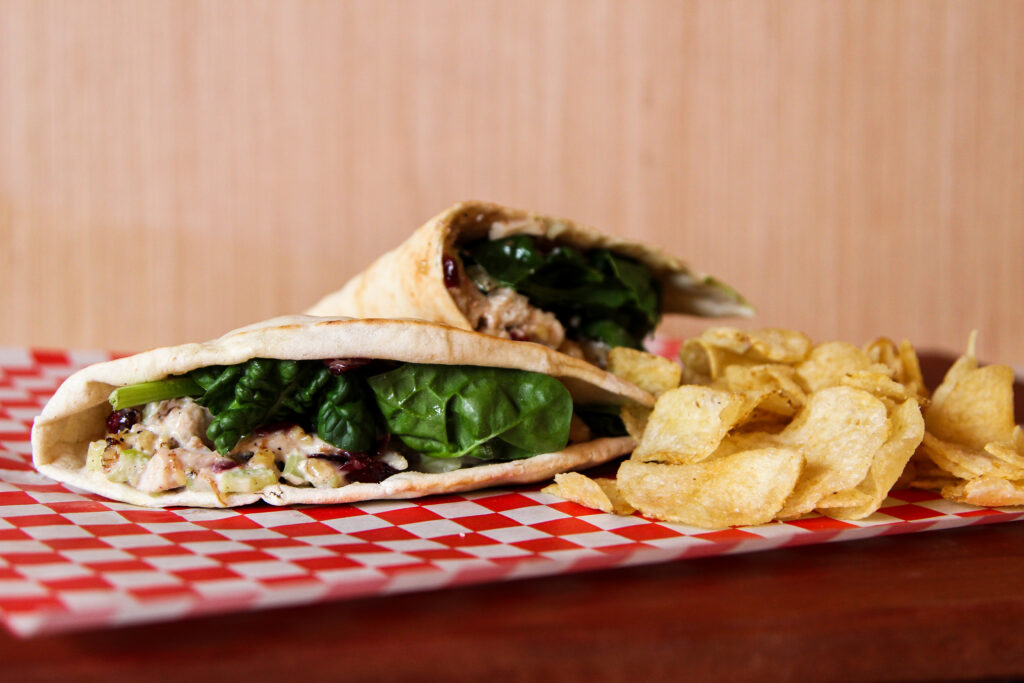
(929, 606)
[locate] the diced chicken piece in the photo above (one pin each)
(503, 312)
(284, 441)
(508, 312)
(180, 419)
(395, 460)
(163, 473)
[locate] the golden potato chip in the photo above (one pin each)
(1009, 453)
(772, 344)
(901, 362)
(620, 505)
(688, 423)
(651, 373)
(829, 362)
(977, 410)
(963, 365)
(906, 430)
(600, 494)
(736, 490)
(727, 338)
(986, 491)
(704, 363)
(909, 372)
(773, 387)
(948, 459)
(884, 351)
(879, 384)
(965, 462)
(780, 345)
(634, 418)
(848, 499)
(744, 441)
(696, 362)
(838, 433)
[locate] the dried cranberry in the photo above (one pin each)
(359, 467)
(122, 420)
(372, 472)
(451, 271)
(517, 335)
(224, 465)
(339, 366)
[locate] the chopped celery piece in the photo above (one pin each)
(94, 456)
(247, 479)
(293, 469)
(150, 392)
(129, 467)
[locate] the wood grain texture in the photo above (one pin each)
(169, 170)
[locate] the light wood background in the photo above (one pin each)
(170, 170)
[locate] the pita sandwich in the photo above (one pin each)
(327, 410)
(520, 275)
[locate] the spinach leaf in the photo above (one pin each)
(596, 294)
(488, 413)
(218, 382)
(635, 278)
(611, 333)
(303, 401)
(510, 261)
(257, 394)
(347, 417)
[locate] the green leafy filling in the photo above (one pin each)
(486, 413)
(264, 391)
(596, 294)
(439, 410)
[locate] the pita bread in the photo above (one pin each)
(408, 282)
(77, 412)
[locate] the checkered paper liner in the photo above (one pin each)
(73, 560)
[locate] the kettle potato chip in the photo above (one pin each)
(838, 433)
(977, 410)
(653, 374)
(740, 489)
(601, 494)
(688, 423)
(905, 434)
(828, 363)
(986, 491)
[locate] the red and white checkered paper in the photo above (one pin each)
(73, 560)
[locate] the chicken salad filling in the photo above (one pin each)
(325, 424)
(527, 287)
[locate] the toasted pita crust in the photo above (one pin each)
(408, 282)
(76, 414)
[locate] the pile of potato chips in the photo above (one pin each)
(764, 425)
